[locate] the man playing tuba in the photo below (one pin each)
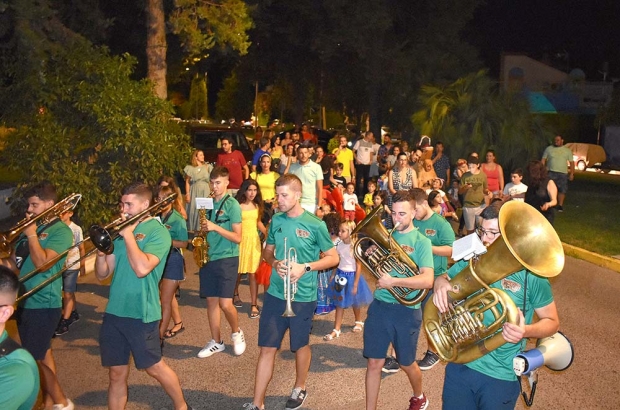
(489, 382)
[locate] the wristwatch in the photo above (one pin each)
(307, 267)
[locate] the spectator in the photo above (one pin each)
(286, 158)
(416, 160)
(441, 162)
(494, 173)
(364, 157)
(427, 174)
(236, 164)
(515, 189)
(474, 188)
(393, 155)
(344, 155)
(541, 191)
(401, 177)
(559, 162)
(265, 144)
(311, 176)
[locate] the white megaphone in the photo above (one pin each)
(556, 352)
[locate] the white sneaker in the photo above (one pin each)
(238, 340)
(211, 348)
(69, 406)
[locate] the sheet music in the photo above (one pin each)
(204, 203)
(467, 247)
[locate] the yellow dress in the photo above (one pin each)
(249, 249)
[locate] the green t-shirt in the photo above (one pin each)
(131, 296)
(176, 225)
(19, 379)
(474, 197)
(419, 248)
(440, 232)
(58, 237)
(308, 235)
(498, 363)
(558, 158)
(229, 214)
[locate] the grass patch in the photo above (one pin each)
(590, 219)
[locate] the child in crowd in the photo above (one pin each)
(441, 207)
(382, 182)
(337, 178)
(347, 287)
(379, 198)
(453, 195)
(349, 202)
(324, 303)
(516, 189)
(368, 202)
(69, 277)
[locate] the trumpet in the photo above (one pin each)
(8, 239)
(289, 288)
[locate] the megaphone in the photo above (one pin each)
(556, 352)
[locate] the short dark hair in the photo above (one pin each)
(305, 144)
(290, 180)
(8, 281)
(473, 160)
(229, 139)
(218, 172)
(517, 171)
(333, 221)
(139, 189)
(381, 194)
(491, 211)
(264, 141)
(44, 190)
(403, 196)
(418, 194)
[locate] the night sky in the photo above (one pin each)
(587, 30)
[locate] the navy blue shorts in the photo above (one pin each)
(561, 181)
(174, 269)
(392, 323)
(272, 325)
(120, 336)
(36, 328)
(69, 280)
(467, 389)
(218, 278)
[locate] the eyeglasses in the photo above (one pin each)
(491, 234)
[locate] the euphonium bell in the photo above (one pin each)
(528, 241)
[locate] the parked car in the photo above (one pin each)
(208, 138)
(586, 155)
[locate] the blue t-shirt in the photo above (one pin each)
(256, 158)
(308, 235)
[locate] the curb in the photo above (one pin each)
(595, 258)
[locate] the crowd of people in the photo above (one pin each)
(297, 196)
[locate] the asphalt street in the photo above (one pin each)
(585, 294)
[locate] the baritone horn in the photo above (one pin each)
(528, 241)
(289, 288)
(8, 239)
(377, 250)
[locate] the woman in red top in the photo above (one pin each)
(495, 175)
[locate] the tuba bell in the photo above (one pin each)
(528, 241)
(377, 250)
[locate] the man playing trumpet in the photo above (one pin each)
(308, 235)
(39, 314)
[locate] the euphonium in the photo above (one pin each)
(289, 288)
(378, 250)
(8, 239)
(527, 241)
(199, 242)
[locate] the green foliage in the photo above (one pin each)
(80, 121)
(235, 99)
(198, 98)
(471, 114)
(203, 24)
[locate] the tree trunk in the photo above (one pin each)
(156, 46)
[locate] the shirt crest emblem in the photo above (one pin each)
(43, 236)
(407, 248)
(302, 233)
(139, 237)
(220, 212)
(430, 232)
(168, 227)
(510, 285)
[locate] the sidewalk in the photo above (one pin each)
(595, 258)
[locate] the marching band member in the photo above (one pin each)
(133, 312)
(308, 235)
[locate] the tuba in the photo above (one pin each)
(528, 241)
(378, 250)
(199, 242)
(8, 239)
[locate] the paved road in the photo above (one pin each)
(585, 294)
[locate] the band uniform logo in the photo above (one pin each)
(407, 248)
(140, 236)
(510, 285)
(302, 233)
(220, 212)
(43, 236)
(168, 227)
(430, 232)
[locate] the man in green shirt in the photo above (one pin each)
(19, 375)
(39, 314)
(133, 312)
(308, 235)
(490, 382)
(561, 165)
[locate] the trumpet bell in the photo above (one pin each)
(101, 238)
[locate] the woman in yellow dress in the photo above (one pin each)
(251, 202)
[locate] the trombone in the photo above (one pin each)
(289, 288)
(8, 239)
(99, 238)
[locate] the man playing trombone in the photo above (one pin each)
(39, 314)
(306, 237)
(133, 312)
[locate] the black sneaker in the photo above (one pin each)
(560, 208)
(74, 317)
(391, 365)
(63, 327)
(429, 360)
(298, 396)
